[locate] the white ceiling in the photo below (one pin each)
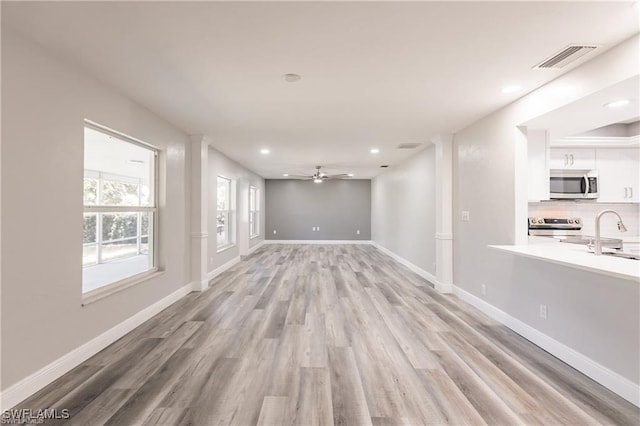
(373, 74)
(589, 112)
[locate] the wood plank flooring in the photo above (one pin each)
(326, 334)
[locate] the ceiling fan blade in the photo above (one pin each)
(300, 176)
(339, 176)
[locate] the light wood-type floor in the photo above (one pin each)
(326, 334)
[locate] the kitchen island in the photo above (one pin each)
(582, 308)
(575, 256)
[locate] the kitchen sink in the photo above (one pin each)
(623, 255)
(612, 243)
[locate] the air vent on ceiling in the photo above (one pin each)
(408, 145)
(566, 56)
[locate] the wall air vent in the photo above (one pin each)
(384, 166)
(566, 56)
(408, 145)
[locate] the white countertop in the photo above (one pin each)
(575, 256)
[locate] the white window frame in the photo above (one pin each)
(228, 215)
(97, 209)
(254, 215)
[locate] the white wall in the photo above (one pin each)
(220, 165)
(44, 103)
(403, 215)
(486, 185)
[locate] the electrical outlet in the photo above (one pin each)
(274, 232)
(543, 311)
(357, 231)
(484, 289)
(465, 216)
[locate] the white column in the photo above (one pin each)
(444, 213)
(199, 211)
(520, 181)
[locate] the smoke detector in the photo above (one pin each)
(292, 78)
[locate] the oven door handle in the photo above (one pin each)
(586, 185)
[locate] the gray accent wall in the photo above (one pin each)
(338, 207)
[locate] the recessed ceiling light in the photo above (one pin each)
(350, 174)
(374, 150)
(617, 104)
(286, 175)
(264, 151)
(317, 180)
(510, 89)
(292, 78)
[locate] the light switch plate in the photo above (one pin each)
(465, 216)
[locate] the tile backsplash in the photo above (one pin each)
(587, 211)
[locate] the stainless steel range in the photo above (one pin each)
(555, 226)
(567, 230)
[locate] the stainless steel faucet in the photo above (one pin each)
(621, 227)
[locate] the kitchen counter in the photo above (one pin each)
(575, 256)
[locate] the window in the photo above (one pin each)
(254, 212)
(224, 214)
(120, 210)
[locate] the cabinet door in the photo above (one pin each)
(618, 170)
(538, 178)
(558, 158)
(582, 159)
(573, 158)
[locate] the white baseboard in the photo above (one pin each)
(601, 374)
(26, 387)
(442, 288)
(317, 242)
(255, 247)
(220, 269)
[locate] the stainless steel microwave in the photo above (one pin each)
(573, 184)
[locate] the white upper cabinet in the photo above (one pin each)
(618, 170)
(573, 158)
(538, 175)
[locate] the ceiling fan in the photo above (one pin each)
(319, 177)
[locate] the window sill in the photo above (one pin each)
(254, 236)
(113, 288)
(225, 248)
